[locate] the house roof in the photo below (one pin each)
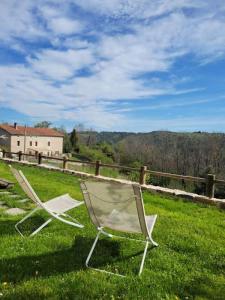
(31, 131)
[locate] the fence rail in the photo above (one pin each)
(210, 181)
(175, 176)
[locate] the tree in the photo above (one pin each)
(43, 124)
(74, 139)
(67, 147)
(107, 149)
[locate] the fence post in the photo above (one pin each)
(97, 168)
(65, 162)
(3, 153)
(142, 179)
(20, 155)
(39, 158)
(210, 185)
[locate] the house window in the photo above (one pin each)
(18, 143)
(30, 143)
(49, 144)
(36, 143)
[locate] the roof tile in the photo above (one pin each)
(20, 130)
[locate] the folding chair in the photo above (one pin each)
(56, 207)
(118, 207)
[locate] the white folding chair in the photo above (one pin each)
(56, 207)
(118, 207)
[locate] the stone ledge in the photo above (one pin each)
(157, 189)
(15, 211)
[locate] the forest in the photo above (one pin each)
(195, 154)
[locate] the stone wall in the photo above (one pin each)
(154, 189)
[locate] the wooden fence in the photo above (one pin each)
(210, 181)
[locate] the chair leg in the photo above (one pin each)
(143, 258)
(41, 227)
(24, 219)
(109, 235)
(72, 218)
(91, 252)
(145, 252)
(153, 242)
(106, 233)
(92, 249)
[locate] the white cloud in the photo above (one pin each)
(60, 65)
(65, 26)
(34, 20)
(18, 21)
(28, 93)
(120, 63)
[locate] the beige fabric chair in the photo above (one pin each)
(56, 207)
(118, 207)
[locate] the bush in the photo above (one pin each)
(95, 154)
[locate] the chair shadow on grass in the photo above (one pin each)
(72, 259)
(7, 227)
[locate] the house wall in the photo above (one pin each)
(4, 142)
(55, 147)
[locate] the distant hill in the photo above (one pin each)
(103, 136)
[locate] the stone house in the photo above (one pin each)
(14, 138)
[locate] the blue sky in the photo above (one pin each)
(121, 65)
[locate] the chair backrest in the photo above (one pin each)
(115, 205)
(25, 185)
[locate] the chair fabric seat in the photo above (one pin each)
(150, 222)
(62, 203)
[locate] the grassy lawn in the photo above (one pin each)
(188, 264)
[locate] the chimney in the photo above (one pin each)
(15, 125)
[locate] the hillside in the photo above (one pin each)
(195, 154)
(184, 153)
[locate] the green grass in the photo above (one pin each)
(188, 264)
